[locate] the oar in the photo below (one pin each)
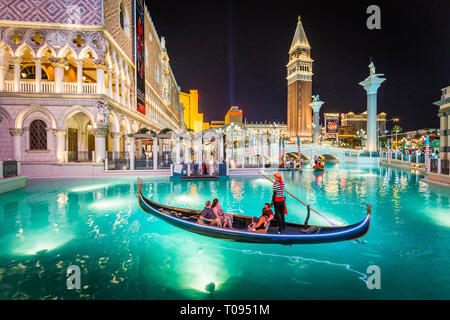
(330, 222)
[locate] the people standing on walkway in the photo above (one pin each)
(279, 201)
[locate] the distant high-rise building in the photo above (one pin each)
(299, 81)
(233, 115)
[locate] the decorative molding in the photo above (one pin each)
(101, 113)
(100, 131)
(59, 132)
(16, 132)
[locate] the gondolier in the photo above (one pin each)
(279, 201)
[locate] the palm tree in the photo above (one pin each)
(396, 129)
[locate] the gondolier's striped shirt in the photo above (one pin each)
(279, 191)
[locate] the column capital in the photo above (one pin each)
(59, 132)
(78, 61)
(115, 135)
(15, 59)
(316, 105)
(100, 63)
(100, 131)
(16, 132)
(372, 83)
(57, 62)
(37, 60)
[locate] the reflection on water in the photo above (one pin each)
(124, 253)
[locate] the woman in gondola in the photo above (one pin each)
(218, 211)
(267, 216)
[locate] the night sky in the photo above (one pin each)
(235, 53)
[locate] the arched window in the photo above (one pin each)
(124, 18)
(38, 135)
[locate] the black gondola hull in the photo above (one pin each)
(324, 235)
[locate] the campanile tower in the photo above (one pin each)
(299, 81)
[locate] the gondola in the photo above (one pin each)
(186, 219)
(318, 168)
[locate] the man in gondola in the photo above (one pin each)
(278, 201)
(208, 217)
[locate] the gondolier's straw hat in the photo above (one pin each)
(277, 174)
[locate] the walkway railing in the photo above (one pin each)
(9, 169)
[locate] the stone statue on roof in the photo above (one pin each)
(372, 68)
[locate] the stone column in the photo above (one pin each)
(60, 135)
(110, 92)
(116, 143)
(316, 127)
(128, 97)
(4, 65)
(79, 63)
(100, 143)
(100, 77)
(122, 98)
(116, 93)
(3, 71)
(371, 85)
(16, 133)
(59, 74)
(132, 153)
(186, 153)
(38, 72)
(16, 62)
(177, 150)
(155, 153)
(221, 148)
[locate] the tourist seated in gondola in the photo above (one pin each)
(267, 216)
(225, 218)
(209, 217)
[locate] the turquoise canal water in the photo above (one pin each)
(123, 253)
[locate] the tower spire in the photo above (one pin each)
(300, 40)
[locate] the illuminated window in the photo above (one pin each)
(29, 73)
(38, 135)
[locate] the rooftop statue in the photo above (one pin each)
(316, 98)
(372, 68)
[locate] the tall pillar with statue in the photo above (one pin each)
(316, 105)
(371, 85)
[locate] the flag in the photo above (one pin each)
(427, 154)
(380, 152)
(299, 154)
(389, 153)
(279, 151)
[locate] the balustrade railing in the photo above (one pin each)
(47, 87)
(9, 169)
(90, 88)
(69, 87)
(9, 86)
(27, 86)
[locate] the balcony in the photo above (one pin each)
(50, 87)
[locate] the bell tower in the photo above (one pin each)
(299, 81)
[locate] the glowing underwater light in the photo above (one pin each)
(38, 241)
(88, 188)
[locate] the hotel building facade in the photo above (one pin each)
(68, 80)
